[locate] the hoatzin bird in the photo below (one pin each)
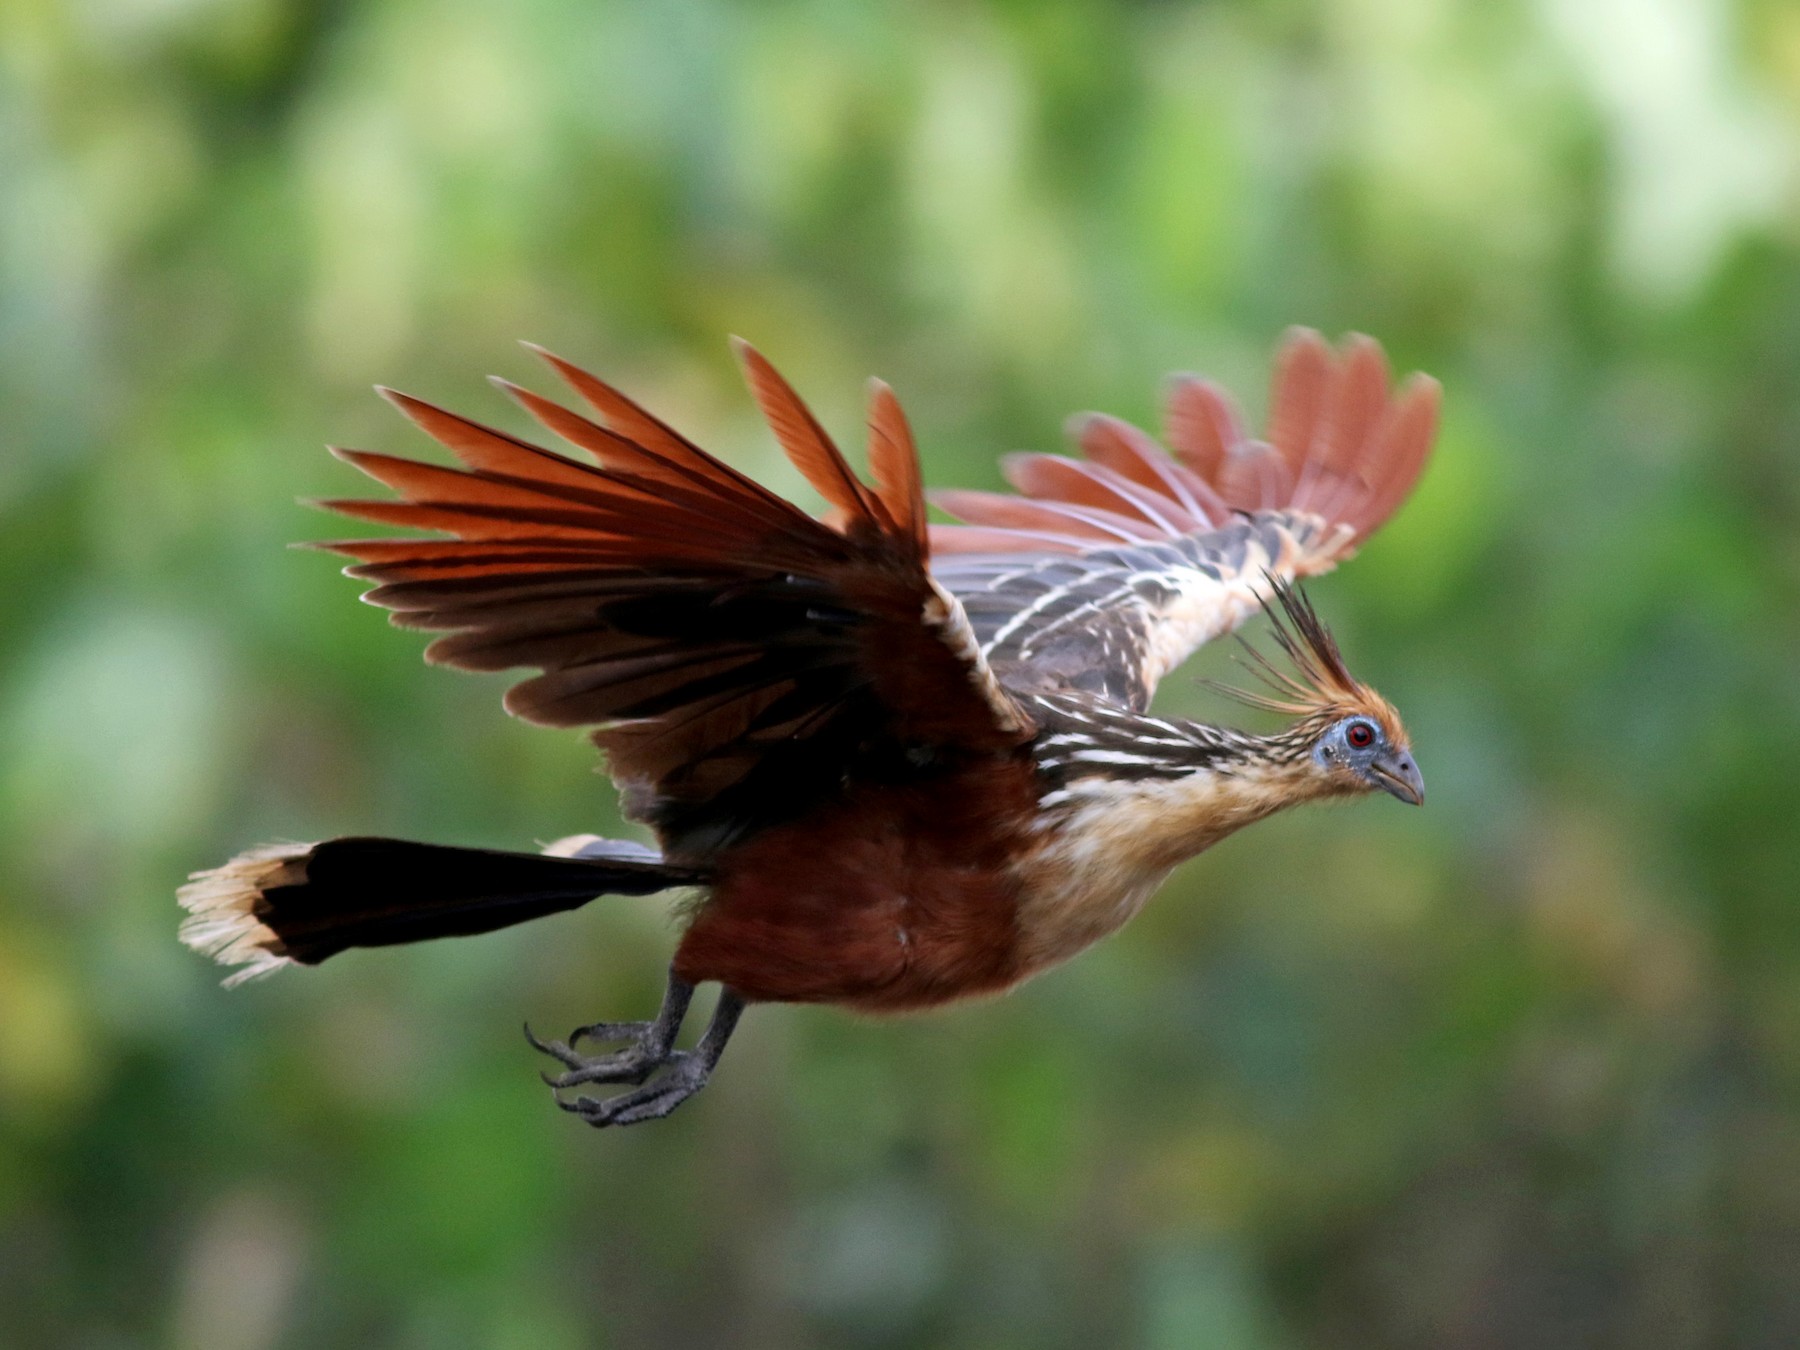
(902, 763)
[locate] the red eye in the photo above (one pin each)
(1360, 734)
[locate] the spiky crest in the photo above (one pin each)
(1320, 687)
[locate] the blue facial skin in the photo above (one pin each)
(1358, 744)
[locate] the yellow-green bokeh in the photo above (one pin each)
(1520, 1069)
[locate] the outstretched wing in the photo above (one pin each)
(737, 655)
(1108, 573)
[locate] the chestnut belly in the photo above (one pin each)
(897, 899)
(870, 945)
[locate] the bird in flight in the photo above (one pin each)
(902, 763)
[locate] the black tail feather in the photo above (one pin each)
(305, 902)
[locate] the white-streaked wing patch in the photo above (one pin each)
(1115, 620)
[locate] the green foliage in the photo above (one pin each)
(1517, 1070)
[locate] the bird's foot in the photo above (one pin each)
(661, 1077)
(686, 1073)
(647, 1047)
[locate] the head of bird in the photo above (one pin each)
(1364, 751)
(1348, 738)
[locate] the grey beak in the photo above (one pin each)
(1395, 772)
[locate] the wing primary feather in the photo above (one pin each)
(1201, 424)
(1303, 370)
(1405, 447)
(620, 456)
(485, 449)
(998, 540)
(894, 461)
(1255, 477)
(472, 523)
(805, 442)
(996, 508)
(1056, 478)
(1121, 447)
(1355, 405)
(651, 435)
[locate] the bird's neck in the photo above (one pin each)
(1115, 818)
(1138, 791)
(1157, 822)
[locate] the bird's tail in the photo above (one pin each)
(300, 903)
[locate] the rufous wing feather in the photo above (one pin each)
(894, 462)
(732, 651)
(805, 441)
(1341, 447)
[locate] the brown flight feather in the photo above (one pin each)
(894, 462)
(708, 628)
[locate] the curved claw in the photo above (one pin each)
(641, 1057)
(557, 1050)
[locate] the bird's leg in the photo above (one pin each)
(685, 1073)
(649, 1044)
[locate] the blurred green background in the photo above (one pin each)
(1518, 1070)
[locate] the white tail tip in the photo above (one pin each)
(221, 905)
